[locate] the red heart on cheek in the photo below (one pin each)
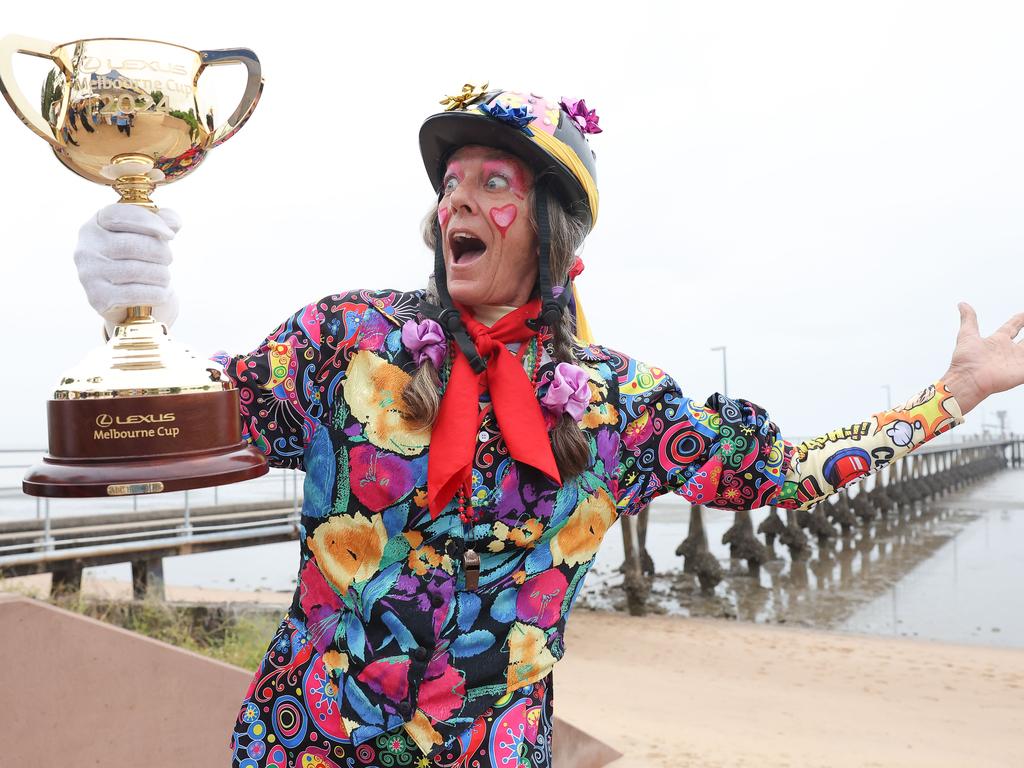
(504, 217)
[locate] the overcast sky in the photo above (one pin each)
(814, 185)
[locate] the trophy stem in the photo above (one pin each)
(140, 314)
(135, 178)
(135, 190)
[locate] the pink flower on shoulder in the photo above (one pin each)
(569, 392)
(425, 339)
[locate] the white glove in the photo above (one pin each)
(123, 258)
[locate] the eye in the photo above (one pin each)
(450, 184)
(496, 183)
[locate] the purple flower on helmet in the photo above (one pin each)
(569, 392)
(517, 117)
(586, 119)
(425, 340)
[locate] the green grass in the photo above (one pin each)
(236, 637)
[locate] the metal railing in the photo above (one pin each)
(176, 521)
(45, 542)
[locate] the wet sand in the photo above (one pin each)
(668, 691)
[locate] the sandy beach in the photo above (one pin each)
(667, 691)
(701, 692)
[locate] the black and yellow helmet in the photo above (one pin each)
(551, 137)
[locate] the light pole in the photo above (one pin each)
(888, 397)
(725, 371)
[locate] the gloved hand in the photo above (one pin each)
(123, 257)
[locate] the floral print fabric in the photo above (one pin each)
(401, 647)
(290, 718)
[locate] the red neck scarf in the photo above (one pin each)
(453, 440)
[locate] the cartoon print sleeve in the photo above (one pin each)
(825, 464)
(725, 453)
(279, 394)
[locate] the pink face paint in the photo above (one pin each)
(454, 169)
(512, 171)
(504, 216)
(443, 214)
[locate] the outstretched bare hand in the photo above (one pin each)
(984, 366)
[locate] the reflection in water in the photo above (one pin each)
(945, 570)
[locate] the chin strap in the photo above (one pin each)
(552, 306)
(446, 315)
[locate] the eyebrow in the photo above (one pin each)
(492, 153)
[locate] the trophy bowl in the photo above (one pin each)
(141, 414)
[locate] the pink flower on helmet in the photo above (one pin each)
(425, 340)
(569, 392)
(586, 119)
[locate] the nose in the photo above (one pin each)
(462, 198)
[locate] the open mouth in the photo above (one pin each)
(465, 247)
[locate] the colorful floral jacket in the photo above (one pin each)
(381, 585)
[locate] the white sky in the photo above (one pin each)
(814, 185)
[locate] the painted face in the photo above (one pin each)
(490, 248)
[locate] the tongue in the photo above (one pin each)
(468, 256)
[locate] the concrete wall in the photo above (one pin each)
(75, 691)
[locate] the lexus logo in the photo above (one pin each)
(104, 420)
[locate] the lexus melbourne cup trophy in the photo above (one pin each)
(140, 414)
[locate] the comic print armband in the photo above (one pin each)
(280, 399)
(838, 458)
(725, 453)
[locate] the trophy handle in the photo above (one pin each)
(250, 97)
(9, 46)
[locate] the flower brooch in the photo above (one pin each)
(586, 119)
(568, 393)
(425, 340)
(517, 117)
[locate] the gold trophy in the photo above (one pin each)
(141, 414)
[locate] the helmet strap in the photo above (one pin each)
(447, 315)
(552, 307)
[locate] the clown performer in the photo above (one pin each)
(467, 447)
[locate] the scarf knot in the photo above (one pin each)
(485, 343)
(514, 399)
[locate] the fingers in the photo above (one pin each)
(121, 245)
(968, 320)
(122, 255)
(1012, 326)
(171, 219)
(121, 217)
(94, 267)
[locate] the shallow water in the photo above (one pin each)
(951, 572)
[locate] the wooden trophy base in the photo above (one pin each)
(124, 446)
